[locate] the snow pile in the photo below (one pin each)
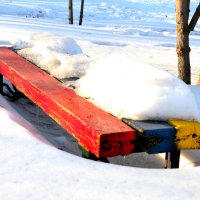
(119, 85)
(131, 89)
(60, 56)
(196, 92)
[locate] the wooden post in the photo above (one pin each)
(183, 53)
(70, 11)
(88, 155)
(172, 159)
(183, 49)
(81, 12)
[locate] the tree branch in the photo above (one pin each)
(194, 19)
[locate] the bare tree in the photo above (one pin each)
(81, 12)
(183, 49)
(70, 11)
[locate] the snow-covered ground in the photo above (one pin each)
(31, 168)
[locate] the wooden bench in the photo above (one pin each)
(97, 131)
(171, 137)
(100, 134)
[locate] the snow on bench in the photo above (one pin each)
(98, 132)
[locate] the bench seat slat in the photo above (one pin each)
(153, 136)
(99, 132)
(187, 134)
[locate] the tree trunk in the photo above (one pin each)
(182, 48)
(81, 12)
(70, 11)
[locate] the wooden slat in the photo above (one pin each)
(99, 132)
(187, 135)
(153, 136)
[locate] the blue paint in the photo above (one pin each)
(155, 129)
(165, 146)
(152, 128)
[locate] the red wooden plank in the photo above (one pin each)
(99, 132)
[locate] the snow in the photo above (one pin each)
(134, 90)
(195, 91)
(139, 31)
(60, 56)
(31, 169)
(46, 42)
(118, 93)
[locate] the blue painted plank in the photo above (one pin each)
(153, 136)
(166, 145)
(152, 128)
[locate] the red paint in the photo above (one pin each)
(99, 132)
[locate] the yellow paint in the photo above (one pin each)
(187, 135)
(140, 130)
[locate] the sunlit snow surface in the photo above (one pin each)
(31, 169)
(131, 89)
(137, 30)
(60, 56)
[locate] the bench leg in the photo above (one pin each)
(12, 93)
(88, 155)
(172, 159)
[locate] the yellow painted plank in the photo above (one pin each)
(187, 135)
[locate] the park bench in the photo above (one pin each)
(99, 134)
